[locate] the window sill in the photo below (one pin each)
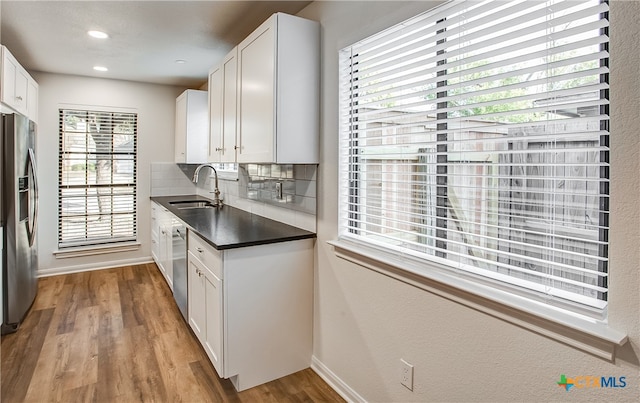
(96, 250)
(587, 334)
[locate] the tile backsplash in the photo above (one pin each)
(298, 183)
(168, 179)
(254, 190)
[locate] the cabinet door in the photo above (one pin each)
(229, 99)
(155, 231)
(155, 249)
(192, 127)
(256, 95)
(214, 320)
(166, 254)
(9, 69)
(216, 93)
(162, 249)
(22, 89)
(32, 100)
(181, 129)
(14, 83)
(197, 307)
(168, 244)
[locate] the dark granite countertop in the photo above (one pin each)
(229, 227)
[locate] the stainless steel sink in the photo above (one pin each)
(192, 204)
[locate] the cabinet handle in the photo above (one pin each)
(235, 147)
(19, 98)
(218, 149)
(199, 272)
(200, 250)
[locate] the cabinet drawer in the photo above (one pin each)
(209, 257)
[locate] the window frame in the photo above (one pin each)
(466, 288)
(92, 246)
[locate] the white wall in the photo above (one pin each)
(365, 322)
(155, 105)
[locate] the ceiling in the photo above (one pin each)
(146, 36)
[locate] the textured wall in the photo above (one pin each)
(365, 322)
(155, 105)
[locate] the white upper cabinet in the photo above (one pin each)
(19, 90)
(191, 133)
(278, 92)
(222, 109)
(32, 100)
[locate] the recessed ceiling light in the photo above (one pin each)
(181, 61)
(98, 34)
(100, 68)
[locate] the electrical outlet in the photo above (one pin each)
(406, 374)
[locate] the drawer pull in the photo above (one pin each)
(200, 250)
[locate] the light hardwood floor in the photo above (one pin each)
(117, 336)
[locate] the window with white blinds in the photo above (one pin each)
(97, 178)
(476, 136)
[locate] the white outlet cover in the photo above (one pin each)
(406, 374)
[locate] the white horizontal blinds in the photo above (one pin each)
(477, 135)
(97, 177)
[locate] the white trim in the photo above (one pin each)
(96, 250)
(584, 333)
(335, 382)
(97, 108)
(93, 266)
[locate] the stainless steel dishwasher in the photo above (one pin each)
(179, 249)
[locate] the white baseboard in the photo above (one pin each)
(93, 266)
(335, 382)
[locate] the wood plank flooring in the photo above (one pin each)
(117, 336)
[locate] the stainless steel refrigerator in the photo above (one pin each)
(19, 198)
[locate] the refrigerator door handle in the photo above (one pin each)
(34, 217)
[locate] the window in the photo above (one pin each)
(97, 178)
(475, 137)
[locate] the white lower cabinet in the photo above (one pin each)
(251, 308)
(205, 309)
(161, 240)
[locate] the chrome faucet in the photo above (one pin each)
(216, 193)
